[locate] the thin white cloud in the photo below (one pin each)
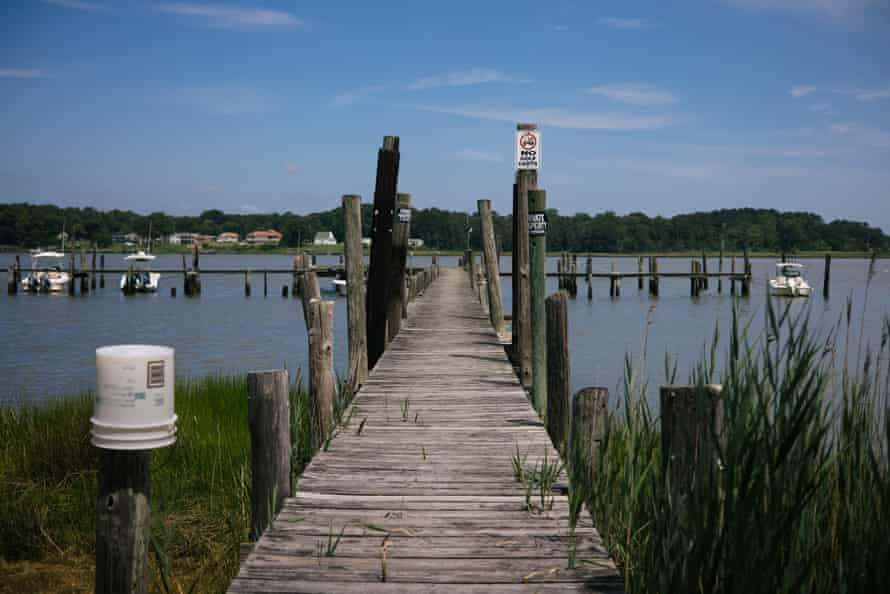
(76, 5)
(222, 100)
(556, 117)
(632, 94)
(290, 168)
(21, 73)
(477, 155)
(861, 134)
(463, 78)
(625, 24)
(833, 11)
(230, 17)
(799, 91)
(560, 28)
(354, 95)
(873, 94)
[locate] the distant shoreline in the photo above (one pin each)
(338, 250)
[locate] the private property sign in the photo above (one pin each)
(528, 149)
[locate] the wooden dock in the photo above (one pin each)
(420, 480)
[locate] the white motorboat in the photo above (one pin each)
(789, 281)
(339, 286)
(47, 273)
(143, 279)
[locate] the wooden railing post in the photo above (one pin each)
(826, 280)
(355, 293)
(537, 235)
(558, 378)
(401, 230)
(123, 521)
(691, 426)
(322, 382)
(589, 412)
(268, 416)
(379, 270)
(492, 272)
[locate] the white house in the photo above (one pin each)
(325, 238)
(228, 237)
(264, 236)
(182, 238)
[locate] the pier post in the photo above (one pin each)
(93, 273)
(71, 275)
(537, 235)
(691, 427)
(526, 179)
(640, 272)
(558, 378)
(284, 291)
(590, 277)
(706, 285)
(247, 283)
(746, 280)
(322, 383)
(84, 274)
(265, 283)
(589, 411)
(123, 522)
(18, 270)
(732, 275)
(11, 286)
(492, 272)
(692, 280)
(355, 293)
(826, 280)
(379, 273)
(268, 416)
(309, 292)
(397, 286)
(720, 269)
(102, 275)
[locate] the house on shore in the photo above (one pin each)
(324, 238)
(183, 238)
(228, 237)
(264, 236)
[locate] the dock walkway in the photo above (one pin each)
(420, 482)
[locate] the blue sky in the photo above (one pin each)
(659, 107)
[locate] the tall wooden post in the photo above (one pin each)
(84, 274)
(558, 378)
(706, 285)
(590, 407)
(826, 280)
(732, 275)
(746, 281)
(640, 272)
(691, 427)
(355, 293)
(309, 292)
(590, 277)
(492, 271)
(526, 179)
(471, 269)
(537, 232)
(71, 275)
(720, 268)
(265, 283)
(247, 283)
(322, 383)
(268, 416)
(102, 275)
(93, 271)
(379, 271)
(401, 231)
(11, 286)
(123, 522)
(693, 286)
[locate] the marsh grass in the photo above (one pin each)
(200, 485)
(802, 495)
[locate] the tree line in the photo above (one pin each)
(31, 225)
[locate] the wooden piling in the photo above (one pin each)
(18, 270)
(526, 179)
(265, 283)
(640, 272)
(590, 277)
(309, 292)
(691, 427)
(71, 282)
(732, 277)
(11, 286)
(492, 267)
(471, 268)
(706, 285)
(123, 522)
(379, 273)
(537, 203)
(102, 274)
(590, 407)
(355, 293)
(693, 280)
(746, 279)
(720, 269)
(284, 291)
(84, 274)
(558, 378)
(268, 416)
(172, 291)
(397, 286)
(826, 279)
(93, 271)
(322, 382)
(247, 283)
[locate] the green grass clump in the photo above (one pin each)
(797, 495)
(200, 485)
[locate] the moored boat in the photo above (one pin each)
(789, 281)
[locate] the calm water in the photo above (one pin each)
(49, 341)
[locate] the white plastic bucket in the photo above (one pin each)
(134, 408)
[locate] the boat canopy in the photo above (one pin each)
(140, 257)
(788, 265)
(47, 255)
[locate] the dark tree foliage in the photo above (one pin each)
(31, 225)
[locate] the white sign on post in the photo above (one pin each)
(528, 149)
